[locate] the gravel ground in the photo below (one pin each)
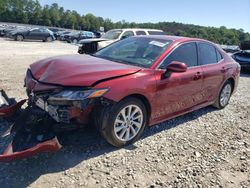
(205, 148)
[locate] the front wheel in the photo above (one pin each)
(49, 39)
(125, 122)
(75, 41)
(224, 96)
(19, 38)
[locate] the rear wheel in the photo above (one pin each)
(49, 39)
(19, 38)
(74, 41)
(124, 123)
(224, 96)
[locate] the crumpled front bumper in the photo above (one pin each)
(48, 146)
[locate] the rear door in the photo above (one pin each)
(213, 71)
(179, 92)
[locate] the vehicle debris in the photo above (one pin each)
(8, 106)
(32, 129)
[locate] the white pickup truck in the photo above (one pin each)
(90, 46)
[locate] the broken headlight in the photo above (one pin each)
(71, 95)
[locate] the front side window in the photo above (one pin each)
(112, 34)
(34, 30)
(135, 51)
(186, 53)
(127, 34)
(207, 54)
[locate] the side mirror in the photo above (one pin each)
(175, 66)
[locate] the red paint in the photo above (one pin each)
(9, 110)
(47, 146)
(176, 66)
(78, 70)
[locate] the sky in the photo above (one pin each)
(229, 13)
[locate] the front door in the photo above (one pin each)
(179, 92)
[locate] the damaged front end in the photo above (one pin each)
(62, 108)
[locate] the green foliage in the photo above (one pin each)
(31, 12)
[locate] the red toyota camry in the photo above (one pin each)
(121, 89)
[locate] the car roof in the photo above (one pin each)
(137, 29)
(173, 38)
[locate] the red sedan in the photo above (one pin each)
(121, 89)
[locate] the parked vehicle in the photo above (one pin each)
(90, 46)
(55, 31)
(5, 30)
(243, 56)
(2, 30)
(43, 34)
(77, 36)
(230, 48)
(121, 89)
(61, 35)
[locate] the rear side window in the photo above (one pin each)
(186, 53)
(140, 33)
(156, 33)
(219, 56)
(208, 54)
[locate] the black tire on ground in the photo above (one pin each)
(19, 38)
(108, 115)
(219, 103)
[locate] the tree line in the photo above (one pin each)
(31, 12)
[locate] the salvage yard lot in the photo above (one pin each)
(204, 148)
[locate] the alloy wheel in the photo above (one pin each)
(128, 123)
(225, 94)
(19, 38)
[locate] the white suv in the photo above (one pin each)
(90, 46)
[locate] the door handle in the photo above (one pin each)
(197, 76)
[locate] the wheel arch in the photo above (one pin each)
(232, 81)
(144, 100)
(20, 35)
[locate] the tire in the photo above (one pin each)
(74, 41)
(19, 38)
(49, 39)
(120, 132)
(224, 96)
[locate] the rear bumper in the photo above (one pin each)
(8, 35)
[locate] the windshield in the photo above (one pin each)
(138, 51)
(112, 34)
